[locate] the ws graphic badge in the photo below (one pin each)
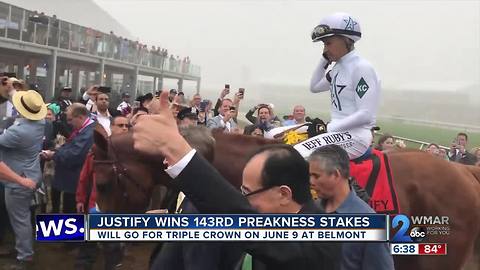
(60, 227)
(422, 226)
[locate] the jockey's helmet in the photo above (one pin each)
(337, 24)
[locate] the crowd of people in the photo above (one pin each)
(458, 151)
(45, 30)
(50, 146)
(66, 128)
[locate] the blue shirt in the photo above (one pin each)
(290, 122)
(356, 256)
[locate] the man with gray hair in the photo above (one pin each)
(69, 158)
(329, 177)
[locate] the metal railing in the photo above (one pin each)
(418, 142)
(21, 24)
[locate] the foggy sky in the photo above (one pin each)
(431, 45)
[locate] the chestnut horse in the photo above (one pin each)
(425, 185)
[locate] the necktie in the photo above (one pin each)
(247, 262)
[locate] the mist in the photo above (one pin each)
(427, 45)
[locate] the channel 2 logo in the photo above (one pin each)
(60, 227)
(417, 234)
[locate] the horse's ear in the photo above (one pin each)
(100, 138)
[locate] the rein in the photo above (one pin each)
(121, 173)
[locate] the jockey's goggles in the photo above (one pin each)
(323, 30)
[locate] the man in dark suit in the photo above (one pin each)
(459, 153)
(194, 255)
(275, 180)
(70, 157)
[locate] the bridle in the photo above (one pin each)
(121, 173)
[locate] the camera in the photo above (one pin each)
(203, 105)
(104, 89)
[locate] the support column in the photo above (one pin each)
(180, 84)
(155, 83)
(101, 80)
(134, 81)
(160, 83)
(21, 70)
(109, 79)
(198, 86)
(52, 75)
(87, 77)
(75, 81)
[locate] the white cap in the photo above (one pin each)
(337, 24)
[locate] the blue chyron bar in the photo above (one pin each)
(60, 228)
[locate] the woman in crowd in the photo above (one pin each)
(385, 143)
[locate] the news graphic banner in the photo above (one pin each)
(60, 227)
(413, 231)
(237, 227)
(179, 227)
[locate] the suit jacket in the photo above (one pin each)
(69, 160)
(211, 193)
(216, 122)
(194, 255)
(467, 158)
(20, 146)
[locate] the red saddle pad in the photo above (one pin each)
(377, 181)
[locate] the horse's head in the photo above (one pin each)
(124, 178)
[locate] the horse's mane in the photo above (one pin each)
(243, 139)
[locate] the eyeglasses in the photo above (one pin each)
(246, 193)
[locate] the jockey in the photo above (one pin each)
(353, 84)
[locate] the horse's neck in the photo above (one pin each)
(225, 139)
(232, 151)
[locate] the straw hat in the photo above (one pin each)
(30, 104)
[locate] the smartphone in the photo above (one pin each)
(136, 104)
(203, 105)
(227, 86)
(241, 90)
(104, 89)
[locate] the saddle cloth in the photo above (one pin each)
(374, 175)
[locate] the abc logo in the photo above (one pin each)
(417, 234)
(402, 222)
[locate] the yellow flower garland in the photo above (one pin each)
(293, 137)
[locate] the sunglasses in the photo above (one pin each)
(246, 193)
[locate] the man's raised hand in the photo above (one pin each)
(158, 135)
